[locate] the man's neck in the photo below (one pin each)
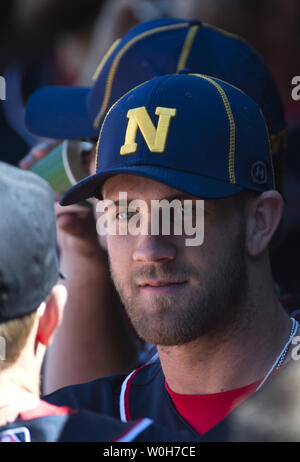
(216, 363)
(18, 392)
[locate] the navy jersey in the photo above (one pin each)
(140, 394)
(48, 423)
(143, 393)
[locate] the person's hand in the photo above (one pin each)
(76, 227)
(76, 230)
(37, 153)
(76, 224)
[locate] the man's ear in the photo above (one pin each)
(50, 314)
(263, 217)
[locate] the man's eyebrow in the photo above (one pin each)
(177, 196)
(110, 203)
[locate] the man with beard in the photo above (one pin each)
(211, 309)
(157, 47)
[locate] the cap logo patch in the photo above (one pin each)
(259, 172)
(155, 138)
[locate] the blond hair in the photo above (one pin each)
(15, 333)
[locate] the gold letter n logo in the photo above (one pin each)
(155, 138)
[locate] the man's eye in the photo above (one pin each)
(189, 210)
(183, 210)
(180, 209)
(124, 215)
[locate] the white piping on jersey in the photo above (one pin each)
(135, 431)
(122, 397)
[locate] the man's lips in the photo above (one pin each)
(161, 285)
(160, 282)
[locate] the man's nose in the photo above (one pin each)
(154, 249)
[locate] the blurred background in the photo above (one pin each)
(44, 42)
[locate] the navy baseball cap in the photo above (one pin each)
(29, 265)
(193, 132)
(151, 49)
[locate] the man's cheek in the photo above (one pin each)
(110, 247)
(102, 242)
(119, 251)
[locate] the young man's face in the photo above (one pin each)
(174, 293)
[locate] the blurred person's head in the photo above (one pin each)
(273, 414)
(31, 299)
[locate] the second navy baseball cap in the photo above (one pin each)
(193, 132)
(150, 49)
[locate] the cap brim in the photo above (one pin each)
(190, 183)
(60, 112)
